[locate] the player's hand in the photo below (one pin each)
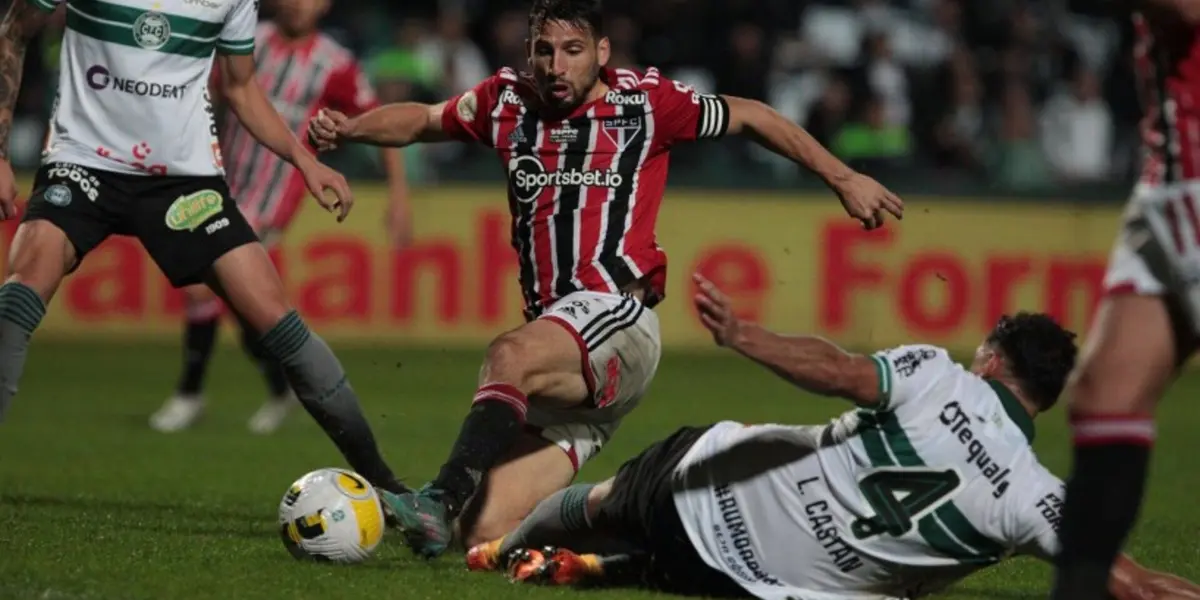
(867, 200)
(319, 178)
(327, 129)
(8, 191)
(716, 311)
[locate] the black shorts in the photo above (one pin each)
(640, 510)
(184, 222)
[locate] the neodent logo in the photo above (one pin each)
(99, 78)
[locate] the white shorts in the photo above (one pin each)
(620, 343)
(1157, 252)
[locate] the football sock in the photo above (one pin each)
(199, 338)
(1104, 494)
(317, 377)
(555, 521)
(21, 310)
(272, 371)
(490, 429)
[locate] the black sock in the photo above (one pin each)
(490, 429)
(271, 370)
(1104, 494)
(199, 337)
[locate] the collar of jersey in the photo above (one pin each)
(1013, 407)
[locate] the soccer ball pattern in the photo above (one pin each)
(331, 515)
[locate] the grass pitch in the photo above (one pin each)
(94, 505)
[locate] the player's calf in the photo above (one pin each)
(40, 257)
(202, 318)
(534, 468)
(248, 282)
(1128, 361)
(538, 361)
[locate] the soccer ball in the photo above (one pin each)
(331, 515)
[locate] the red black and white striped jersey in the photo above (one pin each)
(1167, 65)
(300, 78)
(584, 191)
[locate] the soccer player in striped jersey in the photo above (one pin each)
(302, 70)
(585, 150)
(930, 479)
(1148, 322)
(133, 150)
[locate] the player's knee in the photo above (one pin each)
(40, 257)
(508, 360)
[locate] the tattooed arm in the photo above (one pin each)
(24, 20)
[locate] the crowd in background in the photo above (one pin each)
(1005, 95)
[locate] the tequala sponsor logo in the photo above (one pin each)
(189, 212)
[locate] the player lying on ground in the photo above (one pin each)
(132, 150)
(302, 70)
(585, 149)
(1148, 321)
(929, 480)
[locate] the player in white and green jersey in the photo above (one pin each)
(929, 480)
(132, 150)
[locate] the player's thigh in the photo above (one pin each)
(1139, 336)
(617, 344)
(1128, 359)
(195, 233)
(533, 469)
(540, 359)
(65, 219)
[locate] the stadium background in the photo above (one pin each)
(1009, 128)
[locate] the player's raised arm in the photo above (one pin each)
(863, 198)
(811, 363)
(23, 21)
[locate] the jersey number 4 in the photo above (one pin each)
(902, 496)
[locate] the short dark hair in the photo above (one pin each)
(587, 14)
(1040, 353)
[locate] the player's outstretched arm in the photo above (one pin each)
(1131, 581)
(24, 20)
(393, 125)
(808, 362)
(862, 197)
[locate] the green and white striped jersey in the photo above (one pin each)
(937, 481)
(133, 83)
